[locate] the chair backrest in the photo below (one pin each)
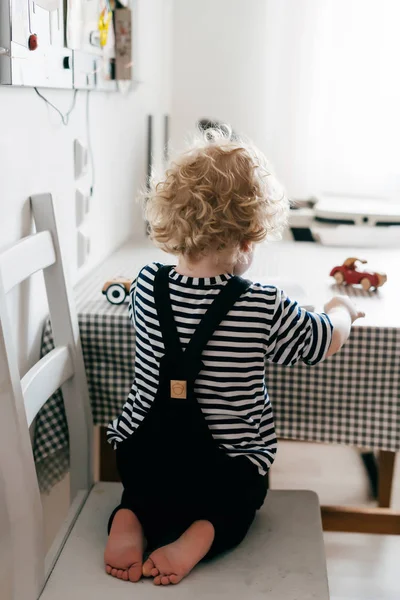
(20, 401)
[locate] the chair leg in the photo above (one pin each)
(360, 519)
(386, 463)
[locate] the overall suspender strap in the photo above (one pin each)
(169, 331)
(219, 308)
(216, 313)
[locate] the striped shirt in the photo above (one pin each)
(264, 324)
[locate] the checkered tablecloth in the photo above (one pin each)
(353, 398)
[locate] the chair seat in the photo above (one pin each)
(282, 558)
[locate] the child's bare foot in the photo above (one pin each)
(172, 563)
(123, 556)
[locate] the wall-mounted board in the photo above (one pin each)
(63, 44)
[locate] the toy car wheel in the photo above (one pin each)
(382, 278)
(366, 284)
(116, 293)
(339, 277)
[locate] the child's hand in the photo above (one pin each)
(342, 314)
(340, 302)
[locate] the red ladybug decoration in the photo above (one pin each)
(33, 42)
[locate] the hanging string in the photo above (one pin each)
(64, 117)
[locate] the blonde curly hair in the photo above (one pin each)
(216, 196)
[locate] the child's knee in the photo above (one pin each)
(230, 531)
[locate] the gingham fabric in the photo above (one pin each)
(352, 398)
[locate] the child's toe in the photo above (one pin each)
(135, 573)
(164, 580)
(174, 579)
(148, 568)
(157, 580)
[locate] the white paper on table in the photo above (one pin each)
(293, 290)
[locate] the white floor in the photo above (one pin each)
(360, 567)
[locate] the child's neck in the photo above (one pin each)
(206, 266)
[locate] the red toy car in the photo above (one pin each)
(348, 273)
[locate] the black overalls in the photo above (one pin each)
(172, 469)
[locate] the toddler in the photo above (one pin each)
(196, 436)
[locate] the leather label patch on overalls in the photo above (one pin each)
(178, 389)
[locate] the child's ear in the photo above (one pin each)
(246, 247)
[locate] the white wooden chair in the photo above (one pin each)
(282, 557)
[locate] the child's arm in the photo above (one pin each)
(297, 334)
(342, 314)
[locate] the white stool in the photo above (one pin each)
(282, 557)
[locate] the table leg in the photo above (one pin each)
(386, 463)
(108, 466)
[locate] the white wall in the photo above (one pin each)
(356, 126)
(218, 61)
(312, 82)
(36, 155)
(233, 60)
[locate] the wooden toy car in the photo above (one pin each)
(348, 273)
(116, 290)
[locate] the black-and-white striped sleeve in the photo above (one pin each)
(297, 334)
(131, 312)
